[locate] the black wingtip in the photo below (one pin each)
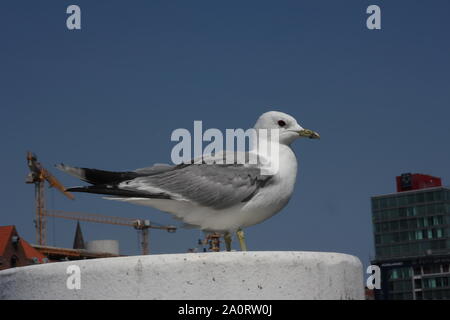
(77, 189)
(113, 191)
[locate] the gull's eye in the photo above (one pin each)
(281, 123)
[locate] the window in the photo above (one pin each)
(390, 214)
(393, 225)
(402, 201)
(395, 250)
(377, 239)
(438, 295)
(431, 268)
(405, 250)
(403, 224)
(437, 220)
(439, 208)
(419, 235)
(404, 236)
(429, 197)
(438, 195)
(379, 251)
(446, 294)
(420, 222)
(375, 215)
(415, 248)
(392, 202)
(421, 210)
(375, 204)
(431, 283)
(408, 296)
(417, 270)
(425, 245)
(445, 267)
(394, 274)
(14, 260)
(395, 237)
(420, 197)
(377, 227)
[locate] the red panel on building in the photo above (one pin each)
(416, 181)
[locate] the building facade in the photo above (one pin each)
(412, 239)
(15, 251)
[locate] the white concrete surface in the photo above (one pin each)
(221, 275)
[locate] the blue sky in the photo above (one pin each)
(110, 95)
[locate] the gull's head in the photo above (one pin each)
(289, 129)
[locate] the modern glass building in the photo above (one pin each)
(412, 239)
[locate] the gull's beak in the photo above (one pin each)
(308, 134)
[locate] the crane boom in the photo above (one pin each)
(55, 183)
(38, 173)
(99, 218)
(141, 225)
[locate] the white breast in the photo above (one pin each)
(273, 197)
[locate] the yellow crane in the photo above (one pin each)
(38, 176)
(141, 225)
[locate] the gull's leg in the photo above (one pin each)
(227, 238)
(241, 237)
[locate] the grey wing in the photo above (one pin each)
(213, 185)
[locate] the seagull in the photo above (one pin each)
(214, 197)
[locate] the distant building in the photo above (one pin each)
(412, 239)
(80, 251)
(15, 251)
(55, 254)
(78, 241)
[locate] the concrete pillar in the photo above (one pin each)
(221, 275)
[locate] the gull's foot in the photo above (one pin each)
(241, 237)
(227, 239)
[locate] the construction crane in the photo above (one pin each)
(38, 176)
(141, 225)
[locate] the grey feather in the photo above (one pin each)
(212, 185)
